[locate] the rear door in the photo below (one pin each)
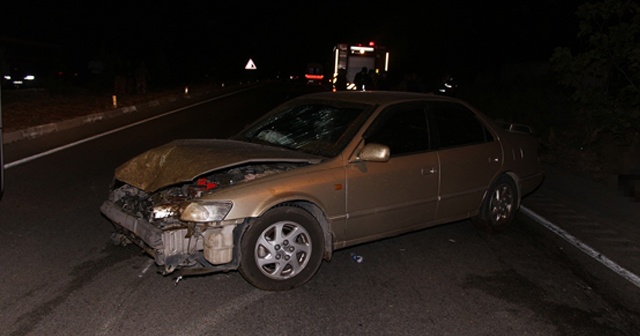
(470, 158)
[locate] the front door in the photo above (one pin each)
(388, 198)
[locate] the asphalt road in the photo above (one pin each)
(61, 275)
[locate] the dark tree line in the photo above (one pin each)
(603, 76)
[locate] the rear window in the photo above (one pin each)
(455, 125)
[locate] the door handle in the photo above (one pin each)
(428, 171)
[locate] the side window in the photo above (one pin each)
(455, 125)
(402, 128)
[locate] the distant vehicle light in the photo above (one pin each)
(361, 49)
(29, 77)
(315, 77)
(7, 77)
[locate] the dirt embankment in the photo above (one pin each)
(22, 109)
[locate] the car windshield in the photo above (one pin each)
(319, 129)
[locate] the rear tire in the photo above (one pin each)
(499, 206)
(282, 250)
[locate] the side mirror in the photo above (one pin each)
(374, 152)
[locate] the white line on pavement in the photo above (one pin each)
(76, 143)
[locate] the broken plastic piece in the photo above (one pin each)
(357, 258)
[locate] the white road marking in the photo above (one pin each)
(79, 142)
(628, 275)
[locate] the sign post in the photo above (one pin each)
(250, 65)
(251, 73)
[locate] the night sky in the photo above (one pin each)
(282, 36)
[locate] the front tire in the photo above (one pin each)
(499, 206)
(282, 250)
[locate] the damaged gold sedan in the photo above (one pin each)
(321, 172)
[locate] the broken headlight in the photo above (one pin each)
(205, 211)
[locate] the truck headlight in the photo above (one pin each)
(205, 211)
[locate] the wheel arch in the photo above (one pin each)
(516, 181)
(484, 218)
(320, 217)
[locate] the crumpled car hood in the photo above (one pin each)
(184, 160)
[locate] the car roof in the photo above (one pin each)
(375, 97)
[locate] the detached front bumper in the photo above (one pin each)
(208, 249)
